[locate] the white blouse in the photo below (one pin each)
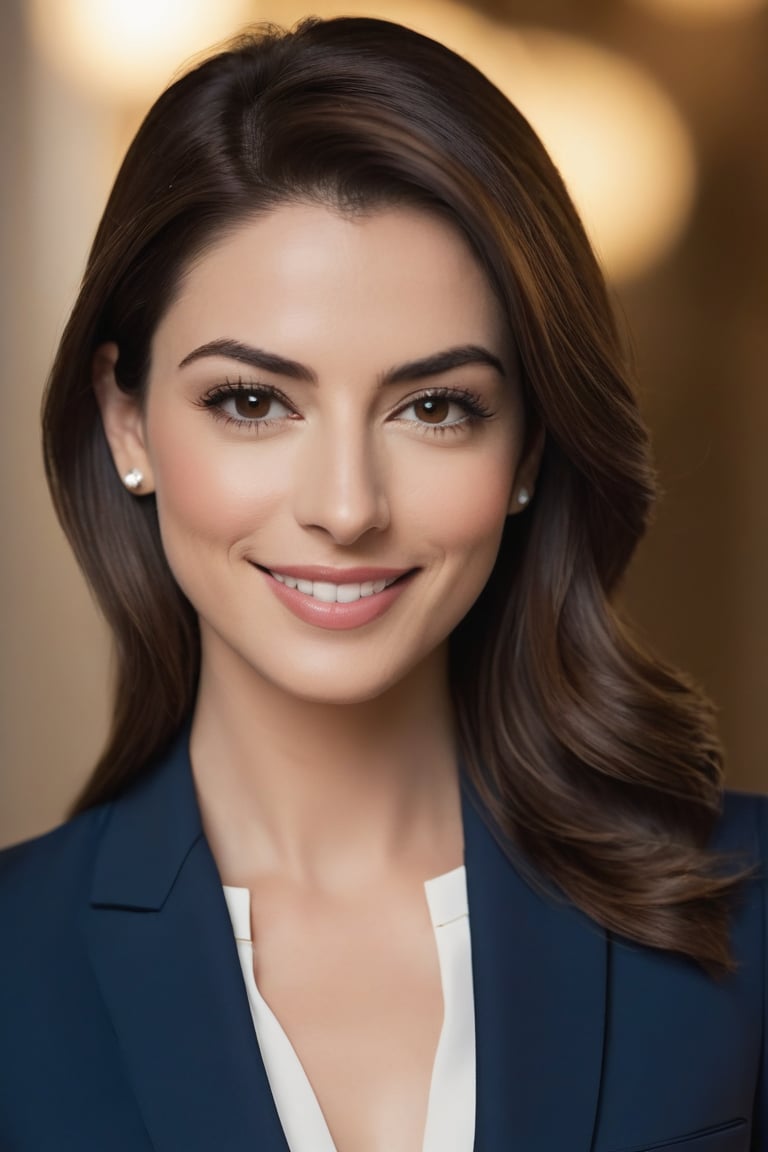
(450, 1125)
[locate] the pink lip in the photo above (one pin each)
(337, 616)
(338, 575)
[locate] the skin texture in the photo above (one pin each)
(324, 759)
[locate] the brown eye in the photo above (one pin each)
(248, 406)
(251, 405)
(432, 409)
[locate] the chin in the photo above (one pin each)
(345, 681)
(342, 692)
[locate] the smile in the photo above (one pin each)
(329, 593)
(357, 596)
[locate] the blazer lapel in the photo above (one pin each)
(163, 951)
(539, 971)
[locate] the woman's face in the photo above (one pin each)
(332, 407)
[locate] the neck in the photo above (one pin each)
(331, 795)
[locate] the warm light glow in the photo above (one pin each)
(621, 146)
(127, 50)
(623, 149)
(698, 11)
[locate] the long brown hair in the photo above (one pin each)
(598, 764)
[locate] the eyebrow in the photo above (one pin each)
(433, 365)
(255, 357)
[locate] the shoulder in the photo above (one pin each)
(741, 838)
(741, 830)
(45, 893)
(42, 877)
(131, 845)
(744, 815)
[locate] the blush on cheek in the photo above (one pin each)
(214, 499)
(467, 506)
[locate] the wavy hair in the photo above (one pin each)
(599, 766)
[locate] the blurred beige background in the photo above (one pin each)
(697, 305)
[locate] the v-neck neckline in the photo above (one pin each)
(450, 1112)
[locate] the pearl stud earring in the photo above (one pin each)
(523, 497)
(133, 479)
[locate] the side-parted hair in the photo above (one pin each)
(598, 764)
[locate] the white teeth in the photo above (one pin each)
(334, 593)
(347, 593)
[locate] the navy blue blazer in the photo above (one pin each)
(125, 1026)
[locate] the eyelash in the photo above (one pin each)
(213, 400)
(473, 406)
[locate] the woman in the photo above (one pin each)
(341, 434)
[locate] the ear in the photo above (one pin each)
(122, 415)
(527, 472)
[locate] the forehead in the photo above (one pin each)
(304, 278)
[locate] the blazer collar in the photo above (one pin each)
(151, 829)
(162, 948)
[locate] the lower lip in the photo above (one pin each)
(336, 616)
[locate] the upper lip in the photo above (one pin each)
(321, 573)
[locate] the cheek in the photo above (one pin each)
(206, 491)
(462, 506)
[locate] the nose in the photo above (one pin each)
(339, 483)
